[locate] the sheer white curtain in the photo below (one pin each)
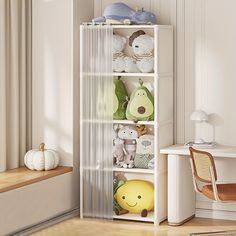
(96, 86)
(15, 81)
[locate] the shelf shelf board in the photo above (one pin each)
(125, 122)
(135, 217)
(130, 122)
(122, 26)
(133, 170)
(134, 74)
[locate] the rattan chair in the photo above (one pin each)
(204, 171)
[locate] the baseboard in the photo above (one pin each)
(33, 228)
(203, 203)
(216, 214)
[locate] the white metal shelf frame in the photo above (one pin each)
(162, 78)
(160, 124)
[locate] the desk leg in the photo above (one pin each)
(181, 194)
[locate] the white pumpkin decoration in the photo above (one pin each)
(42, 159)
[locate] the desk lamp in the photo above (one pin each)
(199, 116)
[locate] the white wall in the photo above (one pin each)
(205, 68)
(52, 86)
(207, 53)
(55, 115)
(215, 63)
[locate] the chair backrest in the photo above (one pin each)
(202, 161)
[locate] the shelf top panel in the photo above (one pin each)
(141, 26)
(133, 170)
(134, 74)
(130, 122)
(130, 26)
(125, 122)
(134, 26)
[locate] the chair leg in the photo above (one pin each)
(196, 188)
(214, 186)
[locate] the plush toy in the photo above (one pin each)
(129, 135)
(121, 62)
(118, 55)
(120, 13)
(142, 45)
(141, 104)
(141, 129)
(120, 99)
(136, 196)
(119, 154)
(151, 164)
(116, 207)
(130, 65)
(118, 148)
(144, 152)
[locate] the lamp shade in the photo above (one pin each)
(199, 116)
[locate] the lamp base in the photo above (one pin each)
(201, 145)
(199, 141)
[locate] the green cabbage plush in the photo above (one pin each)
(141, 104)
(120, 99)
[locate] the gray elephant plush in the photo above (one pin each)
(120, 13)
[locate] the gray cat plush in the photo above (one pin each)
(129, 135)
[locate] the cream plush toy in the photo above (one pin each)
(143, 46)
(118, 55)
(121, 62)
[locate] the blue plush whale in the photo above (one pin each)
(120, 13)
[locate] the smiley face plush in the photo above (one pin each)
(136, 196)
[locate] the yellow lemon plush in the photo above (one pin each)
(136, 196)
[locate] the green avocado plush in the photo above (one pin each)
(141, 104)
(120, 99)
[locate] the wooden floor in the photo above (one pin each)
(78, 227)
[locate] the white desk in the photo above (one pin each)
(181, 195)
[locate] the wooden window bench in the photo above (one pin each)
(22, 176)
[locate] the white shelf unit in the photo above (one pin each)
(160, 83)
